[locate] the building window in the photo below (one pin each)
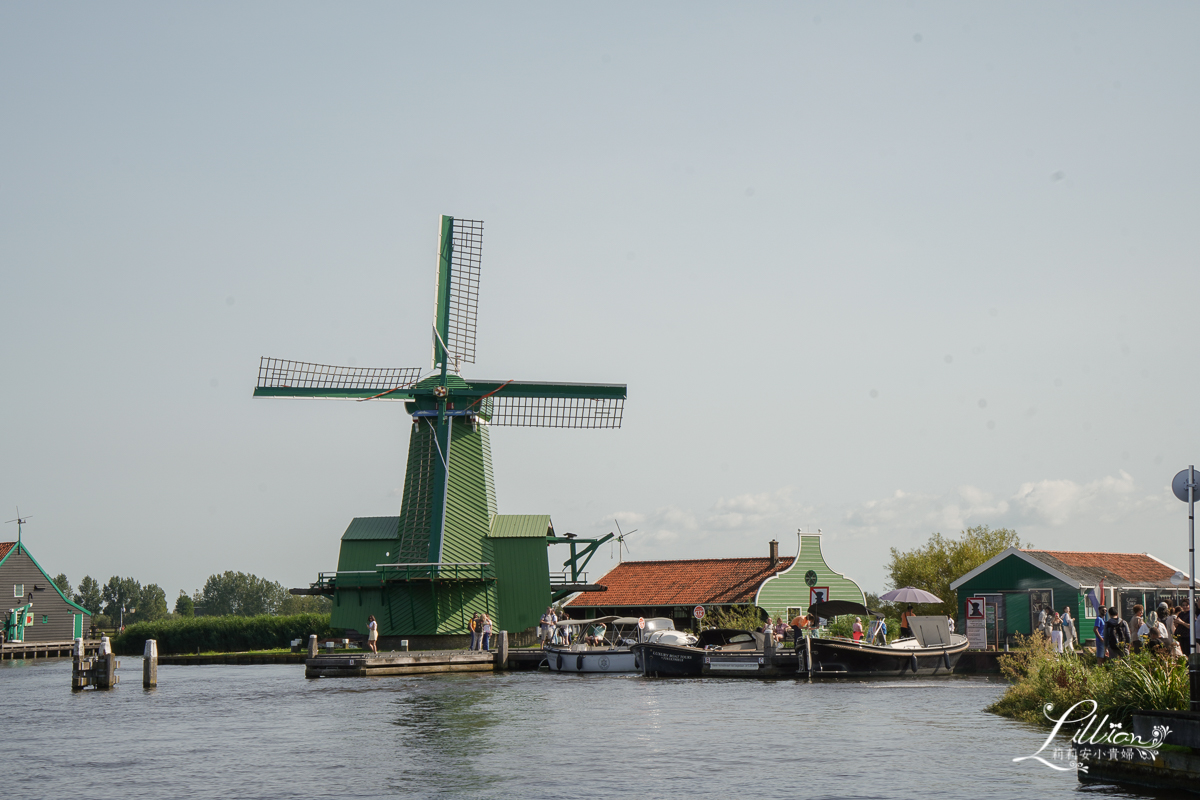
(18, 590)
(45, 619)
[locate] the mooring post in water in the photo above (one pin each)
(150, 664)
(79, 666)
(312, 645)
(502, 651)
(808, 654)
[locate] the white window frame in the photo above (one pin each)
(1088, 611)
(18, 590)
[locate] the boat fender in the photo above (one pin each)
(946, 658)
(579, 663)
(559, 663)
(914, 662)
(637, 662)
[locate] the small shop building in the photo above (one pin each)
(1017, 584)
(52, 616)
(780, 586)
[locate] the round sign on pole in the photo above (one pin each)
(1179, 485)
(698, 612)
(642, 623)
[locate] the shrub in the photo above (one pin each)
(1119, 686)
(221, 634)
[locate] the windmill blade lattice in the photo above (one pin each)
(463, 308)
(278, 373)
(553, 412)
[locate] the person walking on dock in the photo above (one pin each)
(1056, 633)
(487, 633)
(473, 626)
(372, 633)
(1098, 630)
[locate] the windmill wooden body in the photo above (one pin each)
(448, 554)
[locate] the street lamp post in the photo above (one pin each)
(1184, 487)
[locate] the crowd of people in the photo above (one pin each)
(1165, 630)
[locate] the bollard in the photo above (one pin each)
(1194, 680)
(312, 645)
(502, 651)
(150, 664)
(404, 645)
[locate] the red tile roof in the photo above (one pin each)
(1133, 568)
(686, 582)
(5, 547)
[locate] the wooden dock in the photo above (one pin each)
(19, 651)
(417, 662)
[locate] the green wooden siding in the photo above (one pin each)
(522, 581)
(1014, 577)
(789, 589)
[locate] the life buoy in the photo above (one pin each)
(914, 662)
(559, 663)
(579, 663)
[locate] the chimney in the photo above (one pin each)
(774, 554)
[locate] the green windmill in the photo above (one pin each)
(448, 554)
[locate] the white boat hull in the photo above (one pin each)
(564, 660)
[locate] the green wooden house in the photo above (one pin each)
(1017, 584)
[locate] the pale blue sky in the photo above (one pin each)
(881, 269)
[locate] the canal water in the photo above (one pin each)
(267, 732)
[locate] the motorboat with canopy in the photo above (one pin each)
(604, 644)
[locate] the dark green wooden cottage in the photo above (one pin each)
(56, 618)
(1017, 584)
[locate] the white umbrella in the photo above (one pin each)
(909, 594)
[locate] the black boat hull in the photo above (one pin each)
(841, 658)
(831, 658)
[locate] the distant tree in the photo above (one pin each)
(89, 595)
(240, 594)
(304, 604)
(943, 560)
(151, 605)
(60, 580)
(121, 593)
(184, 607)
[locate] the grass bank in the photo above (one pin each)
(222, 634)
(1119, 687)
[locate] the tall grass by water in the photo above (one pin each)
(1119, 686)
(221, 634)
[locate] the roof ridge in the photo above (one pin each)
(697, 560)
(1097, 552)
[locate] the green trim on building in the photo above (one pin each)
(49, 580)
(789, 591)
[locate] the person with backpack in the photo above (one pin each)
(473, 625)
(1116, 634)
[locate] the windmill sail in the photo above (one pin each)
(279, 377)
(456, 299)
(554, 412)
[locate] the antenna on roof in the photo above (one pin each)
(20, 521)
(620, 540)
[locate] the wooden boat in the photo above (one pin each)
(932, 651)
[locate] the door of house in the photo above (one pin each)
(1039, 599)
(78, 627)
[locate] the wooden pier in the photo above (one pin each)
(418, 662)
(17, 651)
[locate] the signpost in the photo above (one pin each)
(641, 623)
(698, 612)
(977, 623)
(1184, 487)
